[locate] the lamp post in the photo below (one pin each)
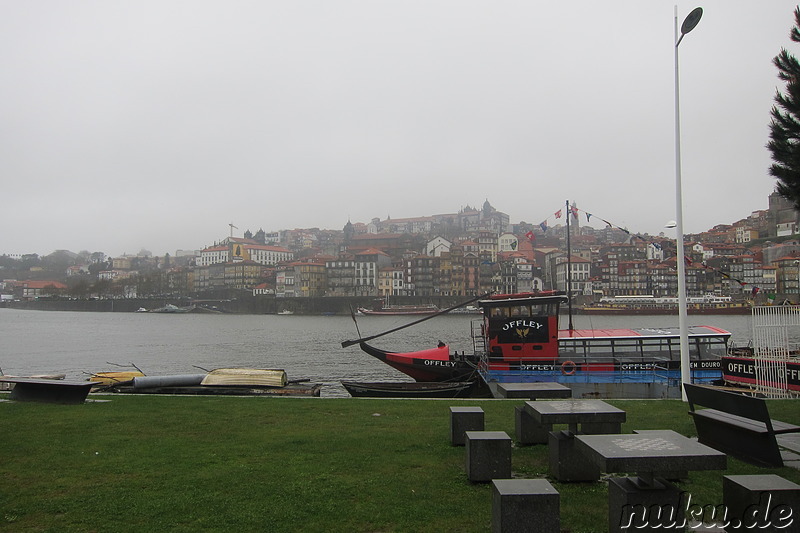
(686, 373)
(797, 267)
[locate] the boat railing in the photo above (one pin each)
(600, 368)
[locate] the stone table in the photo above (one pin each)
(631, 500)
(593, 417)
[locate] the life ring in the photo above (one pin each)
(568, 368)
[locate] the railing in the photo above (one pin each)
(772, 349)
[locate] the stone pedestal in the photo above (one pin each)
(566, 462)
(464, 419)
(601, 428)
(637, 507)
(528, 430)
(488, 455)
(525, 506)
(761, 503)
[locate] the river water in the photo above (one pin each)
(80, 343)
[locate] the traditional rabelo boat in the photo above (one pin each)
(518, 340)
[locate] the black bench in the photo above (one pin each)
(48, 390)
(736, 424)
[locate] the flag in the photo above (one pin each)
(543, 225)
(558, 213)
(531, 237)
(755, 291)
(574, 212)
(588, 216)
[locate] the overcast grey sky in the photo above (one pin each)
(153, 124)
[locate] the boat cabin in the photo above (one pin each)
(521, 327)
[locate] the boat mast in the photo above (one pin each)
(361, 339)
(569, 269)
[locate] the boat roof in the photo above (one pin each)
(671, 331)
(523, 297)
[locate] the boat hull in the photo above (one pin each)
(458, 389)
(436, 364)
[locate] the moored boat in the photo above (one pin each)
(652, 305)
(410, 389)
(401, 310)
(518, 340)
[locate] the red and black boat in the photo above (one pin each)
(518, 339)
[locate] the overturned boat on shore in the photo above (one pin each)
(222, 381)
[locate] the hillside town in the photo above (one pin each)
(468, 253)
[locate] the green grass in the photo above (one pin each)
(280, 464)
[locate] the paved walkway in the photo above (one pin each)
(790, 449)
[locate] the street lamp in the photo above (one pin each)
(686, 373)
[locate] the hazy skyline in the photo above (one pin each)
(130, 125)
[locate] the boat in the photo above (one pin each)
(285, 312)
(394, 310)
(170, 309)
(518, 340)
(222, 381)
(382, 307)
(110, 378)
(410, 389)
(652, 305)
(5, 386)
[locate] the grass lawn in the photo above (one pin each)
(284, 464)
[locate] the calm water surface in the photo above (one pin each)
(79, 343)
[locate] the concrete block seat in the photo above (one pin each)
(487, 455)
(761, 502)
(463, 419)
(525, 506)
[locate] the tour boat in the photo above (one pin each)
(656, 305)
(518, 340)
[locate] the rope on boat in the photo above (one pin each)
(345, 344)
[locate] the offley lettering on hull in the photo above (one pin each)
(446, 364)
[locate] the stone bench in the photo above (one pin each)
(48, 390)
(761, 502)
(525, 505)
(736, 424)
(463, 419)
(488, 455)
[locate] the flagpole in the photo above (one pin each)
(569, 270)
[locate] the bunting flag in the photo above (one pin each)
(574, 211)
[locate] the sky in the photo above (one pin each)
(147, 124)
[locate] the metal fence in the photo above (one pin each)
(772, 347)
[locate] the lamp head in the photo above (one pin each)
(691, 20)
